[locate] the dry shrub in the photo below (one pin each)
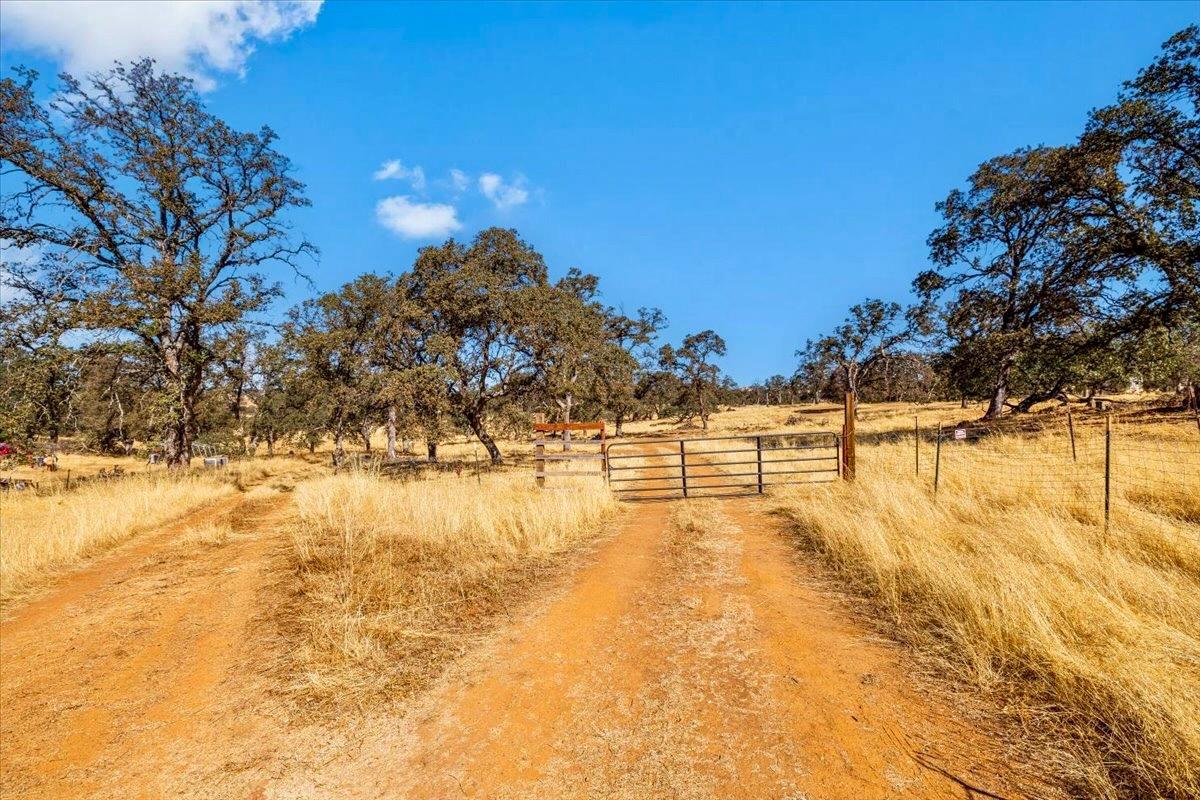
(1008, 583)
(394, 577)
(45, 533)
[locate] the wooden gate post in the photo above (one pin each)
(539, 463)
(848, 437)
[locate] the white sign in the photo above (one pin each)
(960, 433)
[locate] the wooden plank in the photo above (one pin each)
(573, 457)
(574, 442)
(558, 427)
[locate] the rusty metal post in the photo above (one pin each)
(758, 453)
(539, 463)
(683, 467)
(937, 460)
(1071, 430)
(848, 437)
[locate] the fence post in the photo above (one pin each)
(683, 468)
(539, 463)
(917, 445)
(937, 460)
(68, 480)
(1071, 429)
(758, 453)
(1107, 469)
(848, 437)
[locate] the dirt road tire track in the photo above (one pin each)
(117, 682)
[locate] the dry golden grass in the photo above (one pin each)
(47, 531)
(43, 533)
(394, 577)
(1008, 582)
(79, 465)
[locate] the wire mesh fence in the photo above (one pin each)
(1137, 466)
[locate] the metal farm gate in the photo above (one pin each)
(722, 466)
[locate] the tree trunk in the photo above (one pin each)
(270, 444)
(1033, 399)
(475, 421)
(963, 402)
(391, 433)
(566, 407)
(365, 433)
(339, 449)
(431, 452)
(999, 393)
(620, 423)
(180, 433)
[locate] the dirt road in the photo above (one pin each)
(700, 662)
(124, 678)
(691, 656)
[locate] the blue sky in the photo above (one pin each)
(754, 169)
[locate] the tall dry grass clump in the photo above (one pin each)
(394, 577)
(45, 533)
(1008, 581)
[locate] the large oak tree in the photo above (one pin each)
(153, 217)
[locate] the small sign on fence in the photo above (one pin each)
(960, 433)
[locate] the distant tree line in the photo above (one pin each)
(1070, 268)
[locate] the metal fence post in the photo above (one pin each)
(917, 445)
(1107, 469)
(937, 459)
(683, 468)
(758, 453)
(539, 463)
(1071, 430)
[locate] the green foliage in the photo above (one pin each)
(699, 377)
(152, 217)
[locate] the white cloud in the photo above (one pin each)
(503, 195)
(416, 220)
(459, 180)
(197, 37)
(395, 170)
